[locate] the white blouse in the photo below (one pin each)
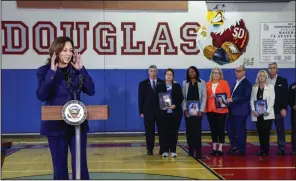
(214, 86)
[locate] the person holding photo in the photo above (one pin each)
(263, 91)
(172, 116)
(194, 89)
(239, 111)
(217, 113)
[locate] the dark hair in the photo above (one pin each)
(170, 70)
(58, 45)
(196, 72)
(222, 100)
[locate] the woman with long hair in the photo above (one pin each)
(62, 79)
(263, 91)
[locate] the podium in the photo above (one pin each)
(93, 112)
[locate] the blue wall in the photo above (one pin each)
(116, 88)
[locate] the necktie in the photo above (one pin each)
(153, 85)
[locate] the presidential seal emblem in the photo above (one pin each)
(74, 112)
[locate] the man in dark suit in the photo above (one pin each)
(280, 104)
(149, 106)
(239, 110)
(292, 103)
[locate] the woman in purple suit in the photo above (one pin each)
(58, 82)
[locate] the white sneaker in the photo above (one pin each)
(173, 154)
(165, 154)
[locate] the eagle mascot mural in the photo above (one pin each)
(224, 39)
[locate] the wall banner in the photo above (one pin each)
(277, 42)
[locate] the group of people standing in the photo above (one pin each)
(239, 99)
(59, 82)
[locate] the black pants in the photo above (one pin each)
(149, 123)
(217, 126)
(264, 128)
(280, 131)
(293, 128)
(169, 128)
(193, 132)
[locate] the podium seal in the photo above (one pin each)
(74, 112)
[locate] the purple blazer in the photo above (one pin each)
(52, 89)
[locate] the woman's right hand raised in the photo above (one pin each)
(53, 65)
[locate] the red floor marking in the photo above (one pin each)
(252, 167)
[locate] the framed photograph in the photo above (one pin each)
(193, 107)
(165, 100)
(260, 106)
(221, 101)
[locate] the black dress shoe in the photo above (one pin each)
(197, 153)
(160, 151)
(262, 153)
(281, 153)
(294, 152)
(190, 152)
(231, 151)
(240, 153)
(213, 152)
(236, 153)
(198, 156)
(149, 152)
(219, 153)
(259, 153)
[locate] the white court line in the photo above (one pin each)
(114, 169)
(102, 161)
